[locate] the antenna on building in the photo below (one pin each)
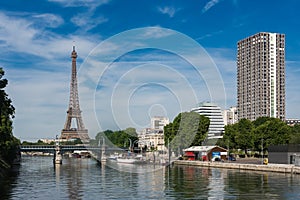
(73, 45)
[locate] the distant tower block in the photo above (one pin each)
(74, 112)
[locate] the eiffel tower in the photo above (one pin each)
(74, 111)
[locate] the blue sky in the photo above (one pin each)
(124, 79)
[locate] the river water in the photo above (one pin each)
(38, 178)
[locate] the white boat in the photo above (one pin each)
(113, 157)
(126, 160)
(131, 160)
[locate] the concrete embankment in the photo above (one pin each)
(280, 168)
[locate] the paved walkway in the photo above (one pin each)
(244, 164)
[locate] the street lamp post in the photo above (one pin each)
(262, 150)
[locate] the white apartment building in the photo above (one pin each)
(159, 122)
(213, 112)
(154, 137)
(230, 116)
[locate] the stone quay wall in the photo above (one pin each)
(280, 168)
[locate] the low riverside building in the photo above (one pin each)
(47, 141)
(284, 154)
(205, 153)
(153, 139)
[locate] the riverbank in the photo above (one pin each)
(279, 168)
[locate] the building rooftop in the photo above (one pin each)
(201, 148)
(206, 104)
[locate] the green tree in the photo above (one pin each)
(260, 120)
(295, 134)
(8, 143)
(119, 138)
(187, 129)
(244, 138)
(238, 136)
(258, 134)
(273, 131)
(229, 139)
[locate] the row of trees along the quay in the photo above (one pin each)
(9, 145)
(124, 139)
(187, 129)
(257, 136)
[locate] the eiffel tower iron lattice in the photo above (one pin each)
(74, 111)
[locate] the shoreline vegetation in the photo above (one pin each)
(9, 145)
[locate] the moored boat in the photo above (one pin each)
(131, 160)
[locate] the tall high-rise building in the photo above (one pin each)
(261, 76)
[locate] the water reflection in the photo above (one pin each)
(57, 168)
(188, 182)
(85, 179)
(8, 182)
(73, 169)
(212, 183)
(216, 184)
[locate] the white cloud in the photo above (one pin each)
(156, 32)
(85, 21)
(79, 3)
(49, 20)
(209, 5)
(168, 10)
(132, 89)
(210, 35)
(22, 35)
(40, 99)
(39, 83)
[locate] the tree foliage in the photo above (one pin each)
(256, 135)
(295, 134)
(121, 138)
(187, 129)
(245, 137)
(8, 143)
(272, 132)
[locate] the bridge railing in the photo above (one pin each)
(67, 148)
(25, 147)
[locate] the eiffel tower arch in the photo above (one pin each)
(74, 112)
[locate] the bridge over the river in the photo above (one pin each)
(97, 152)
(51, 148)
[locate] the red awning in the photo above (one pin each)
(189, 153)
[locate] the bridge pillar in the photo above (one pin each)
(103, 157)
(57, 154)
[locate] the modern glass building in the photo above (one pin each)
(261, 76)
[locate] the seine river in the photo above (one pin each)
(37, 178)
